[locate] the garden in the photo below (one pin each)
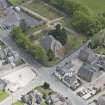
(42, 9)
(3, 95)
(96, 6)
(18, 103)
(16, 2)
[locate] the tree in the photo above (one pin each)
(69, 6)
(50, 55)
(46, 85)
(63, 39)
(81, 17)
(23, 25)
(59, 34)
(58, 3)
(15, 31)
(37, 51)
(86, 24)
(97, 40)
(40, 54)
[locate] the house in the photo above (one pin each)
(3, 4)
(61, 71)
(101, 100)
(9, 56)
(2, 55)
(87, 55)
(67, 75)
(70, 79)
(3, 85)
(49, 42)
(11, 18)
(30, 20)
(27, 98)
(18, 9)
(31, 98)
(101, 62)
(14, 58)
(57, 99)
(89, 72)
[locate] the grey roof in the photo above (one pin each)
(12, 18)
(2, 84)
(9, 55)
(101, 62)
(46, 42)
(70, 80)
(65, 68)
(87, 55)
(101, 100)
(2, 54)
(67, 65)
(54, 98)
(3, 4)
(31, 21)
(89, 72)
(60, 71)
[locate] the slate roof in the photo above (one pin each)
(31, 21)
(89, 72)
(70, 80)
(101, 100)
(49, 42)
(57, 99)
(2, 55)
(46, 42)
(60, 71)
(11, 17)
(3, 4)
(87, 55)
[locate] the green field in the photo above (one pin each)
(74, 41)
(18, 103)
(43, 91)
(98, 41)
(3, 95)
(98, 6)
(43, 103)
(42, 9)
(16, 2)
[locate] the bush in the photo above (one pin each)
(44, 96)
(46, 85)
(37, 51)
(86, 24)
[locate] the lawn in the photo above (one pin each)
(43, 91)
(42, 9)
(2, 45)
(43, 103)
(66, 22)
(41, 32)
(18, 103)
(37, 28)
(3, 95)
(98, 6)
(74, 41)
(100, 50)
(98, 41)
(16, 2)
